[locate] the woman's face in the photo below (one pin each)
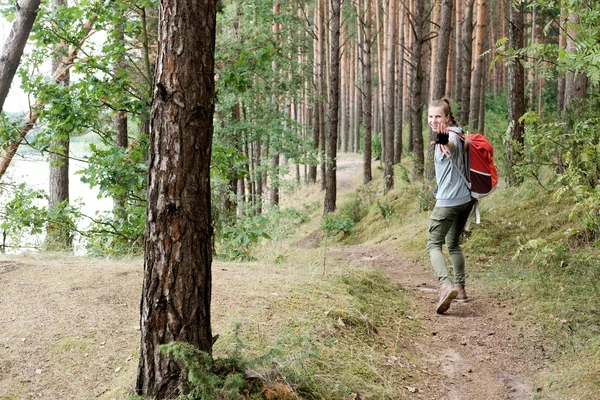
(436, 116)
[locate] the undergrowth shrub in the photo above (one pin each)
(334, 224)
(570, 146)
(237, 237)
(207, 379)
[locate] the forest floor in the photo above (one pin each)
(69, 326)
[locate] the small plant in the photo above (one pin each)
(333, 224)
(204, 378)
(236, 241)
(385, 209)
(353, 209)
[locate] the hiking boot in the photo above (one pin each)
(462, 294)
(447, 294)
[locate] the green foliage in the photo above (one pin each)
(236, 237)
(334, 224)
(23, 214)
(114, 235)
(26, 215)
(204, 380)
(376, 146)
(236, 241)
(571, 145)
(385, 209)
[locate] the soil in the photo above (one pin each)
(474, 350)
(56, 317)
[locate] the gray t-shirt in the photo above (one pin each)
(452, 190)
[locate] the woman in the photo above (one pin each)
(453, 203)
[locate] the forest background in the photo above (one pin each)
(531, 64)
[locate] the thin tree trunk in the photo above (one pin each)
(440, 70)
(334, 98)
(321, 90)
(562, 44)
(516, 96)
(316, 125)
(120, 124)
(388, 161)
(458, 49)
(399, 88)
(478, 71)
(59, 237)
(416, 93)
(59, 76)
(367, 94)
(467, 54)
(15, 43)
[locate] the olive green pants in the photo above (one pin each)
(446, 225)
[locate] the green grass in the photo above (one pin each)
(337, 337)
(525, 252)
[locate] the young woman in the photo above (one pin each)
(453, 203)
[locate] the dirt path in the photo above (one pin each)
(473, 351)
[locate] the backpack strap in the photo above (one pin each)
(464, 152)
(476, 212)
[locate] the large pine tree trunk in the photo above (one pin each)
(516, 95)
(176, 294)
(334, 104)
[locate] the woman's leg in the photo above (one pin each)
(453, 241)
(440, 222)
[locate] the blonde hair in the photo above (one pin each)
(445, 105)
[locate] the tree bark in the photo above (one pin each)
(176, 294)
(562, 44)
(440, 70)
(458, 49)
(416, 92)
(443, 48)
(321, 90)
(120, 125)
(399, 109)
(59, 237)
(467, 56)
(367, 94)
(388, 160)
(334, 104)
(15, 43)
(516, 95)
(476, 77)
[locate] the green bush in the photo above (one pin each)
(334, 224)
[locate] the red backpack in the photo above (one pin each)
(483, 173)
